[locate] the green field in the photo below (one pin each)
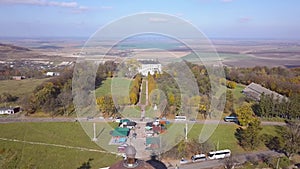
(20, 87)
(237, 94)
(208, 56)
(118, 85)
(24, 155)
(42, 156)
(224, 137)
(104, 89)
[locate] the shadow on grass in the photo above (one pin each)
(86, 165)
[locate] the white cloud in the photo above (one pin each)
(72, 4)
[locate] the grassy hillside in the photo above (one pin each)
(23, 155)
(19, 87)
(224, 137)
(118, 85)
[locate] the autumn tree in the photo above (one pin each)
(171, 99)
(229, 105)
(151, 84)
(231, 85)
(245, 115)
(135, 89)
(106, 105)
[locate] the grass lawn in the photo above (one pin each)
(104, 89)
(224, 136)
(20, 87)
(118, 85)
(42, 156)
(237, 94)
(22, 155)
(131, 112)
(39, 156)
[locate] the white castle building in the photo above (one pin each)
(149, 66)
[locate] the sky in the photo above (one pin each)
(254, 19)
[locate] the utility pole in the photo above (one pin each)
(186, 131)
(95, 138)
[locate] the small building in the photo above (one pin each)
(119, 135)
(254, 91)
(18, 77)
(52, 74)
(9, 111)
(149, 66)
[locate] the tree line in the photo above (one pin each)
(269, 106)
(54, 96)
(134, 93)
(286, 140)
(282, 80)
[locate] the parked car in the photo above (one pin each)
(183, 161)
(118, 119)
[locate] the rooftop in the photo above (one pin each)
(255, 90)
(149, 61)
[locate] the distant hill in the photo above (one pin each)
(12, 48)
(12, 52)
(49, 47)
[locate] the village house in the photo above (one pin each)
(52, 74)
(18, 77)
(9, 111)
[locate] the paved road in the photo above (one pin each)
(69, 119)
(240, 159)
(140, 141)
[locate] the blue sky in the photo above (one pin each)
(276, 19)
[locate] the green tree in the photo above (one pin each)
(7, 97)
(291, 137)
(249, 137)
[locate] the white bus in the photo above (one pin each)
(219, 154)
(180, 118)
(231, 119)
(198, 157)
